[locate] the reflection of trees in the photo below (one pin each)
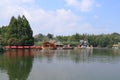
(48, 54)
(80, 55)
(74, 55)
(17, 63)
(89, 55)
(106, 55)
(45, 55)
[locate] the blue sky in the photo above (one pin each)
(65, 17)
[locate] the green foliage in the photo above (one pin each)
(102, 40)
(18, 32)
(50, 36)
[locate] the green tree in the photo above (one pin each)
(50, 36)
(19, 31)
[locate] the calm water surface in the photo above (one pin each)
(85, 64)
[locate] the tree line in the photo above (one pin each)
(101, 40)
(18, 32)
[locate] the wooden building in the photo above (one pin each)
(48, 46)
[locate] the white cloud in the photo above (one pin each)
(86, 5)
(26, 1)
(95, 16)
(13, 8)
(60, 21)
(82, 5)
(72, 2)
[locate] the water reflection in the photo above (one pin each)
(81, 55)
(17, 63)
(60, 64)
(82, 64)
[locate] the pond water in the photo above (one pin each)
(84, 64)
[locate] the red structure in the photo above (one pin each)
(22, 47)
(14, 47)
(7, 47)
(38, 47)
(27, 47)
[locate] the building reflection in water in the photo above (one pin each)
(63, 55)
(80, 55)
(17, 63)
